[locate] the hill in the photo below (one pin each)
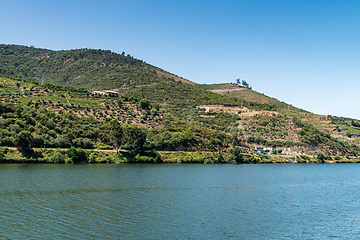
(90, 68)
(175, 114)
(338, 130)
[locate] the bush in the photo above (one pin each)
(2, 155)
(155, 156)
(77, 155)
(7, 141)
(93, 156)
(320, 158)
(143, 159)
(337, 158)
(305, 157)
(58, 157)
(144, 103)
(237, 156)
(69, 161)
(251, 160)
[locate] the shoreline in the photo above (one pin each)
(94, 156)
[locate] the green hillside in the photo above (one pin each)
(93, 69)
(48, 94)
(63, 117)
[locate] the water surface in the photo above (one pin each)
(168, 201)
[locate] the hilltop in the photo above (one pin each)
(90, 68)
(53, 90)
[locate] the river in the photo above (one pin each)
(188, 201)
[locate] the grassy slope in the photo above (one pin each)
(93, 69)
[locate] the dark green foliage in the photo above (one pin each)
(133, 138)
(2, 155)
(250, 159)
(219, 158)
(155, 156)
(57, 158)
(355, 123)
(24, 141)
(144, 103)
(306, 158)
(237, 157)
(77, 155)
(320, 158)
(257, 139)
(116, 133)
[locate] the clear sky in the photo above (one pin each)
(305, 53)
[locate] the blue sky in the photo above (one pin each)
(305, 53)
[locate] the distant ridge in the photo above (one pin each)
(89, 68)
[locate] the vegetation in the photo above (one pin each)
(46, 103)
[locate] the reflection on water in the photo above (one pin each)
(179, 201)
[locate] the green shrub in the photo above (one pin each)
(69, 161)
(57, 157)
(143, 159)
(2, 155)
(144, 103)
(77, 155)
(320, 158)
(236, 156)
(93, 156)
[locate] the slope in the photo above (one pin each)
(93, 69)
(217, 117)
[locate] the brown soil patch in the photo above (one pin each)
(244, 112)
(226, 90)
(169, 75)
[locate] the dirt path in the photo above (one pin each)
(227, 90)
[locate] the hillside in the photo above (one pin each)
(65, 117)
(90, 68)
(339, 130)
(53, 88)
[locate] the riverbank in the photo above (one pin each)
(76, 155)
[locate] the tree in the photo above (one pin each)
(237, 156)
(244, 83)
(133, 138)
(58, 157)
(77, 155)
(320, 158)
(24, 141)
(116, 133)
(144, 103)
